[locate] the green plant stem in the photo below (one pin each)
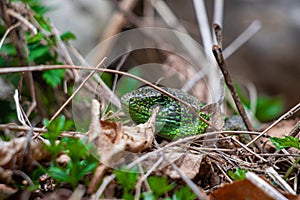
(289, 171)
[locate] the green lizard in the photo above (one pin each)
(173, 118)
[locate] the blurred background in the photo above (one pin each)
(269, 59)
(266, 65)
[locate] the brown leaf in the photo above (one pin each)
(115, 143)
(188, 163)
(21, 152)
(241, 190)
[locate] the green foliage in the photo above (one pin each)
(160, 185)
(67, 36)
(239, 174)
(267, 108)
(82, 161)
(127, 179)
(36, 5)
(148, 196)
(287, 141)
(54, 129)
(54, 77)
(184, 193)
(126, 84)
(42, 47)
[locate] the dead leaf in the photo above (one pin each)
(188, 163)
(241, 190)
(116, 143)
(21, 152)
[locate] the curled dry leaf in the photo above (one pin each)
(19, 154)
(113, 139)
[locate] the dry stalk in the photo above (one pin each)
(8, 31)
(249, 150)
(292, 111)
(48, 67)
(199, 192)
(75, 92)
(221, 62)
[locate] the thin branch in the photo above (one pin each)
(171, 20)
(279, 180)
(29, 80)
(284, 116)
(228, 51)
(221, 62)
(247, 149)
(23, 20)
(75, 92)
(48, 67)
(204, 27)
(7, 32)
(218, 34)
(218, 12)
(295, 130)
(62, 46)
(104, 184)
(242, 38)
(199, 192)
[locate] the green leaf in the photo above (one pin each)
(57, 125)
(9, 49)
(239, 174)
(268, 108)
(127, 84)
(148, 196)
(59, 174)
(160, 185)
(128, 196)
(127, 178)
(288, 141)
(34, 39)
(38, 52)
(67, 36)
(54, 129)
(37, 6)
(43, 22)
(54, 77)
(89, 168)
(184, 193)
